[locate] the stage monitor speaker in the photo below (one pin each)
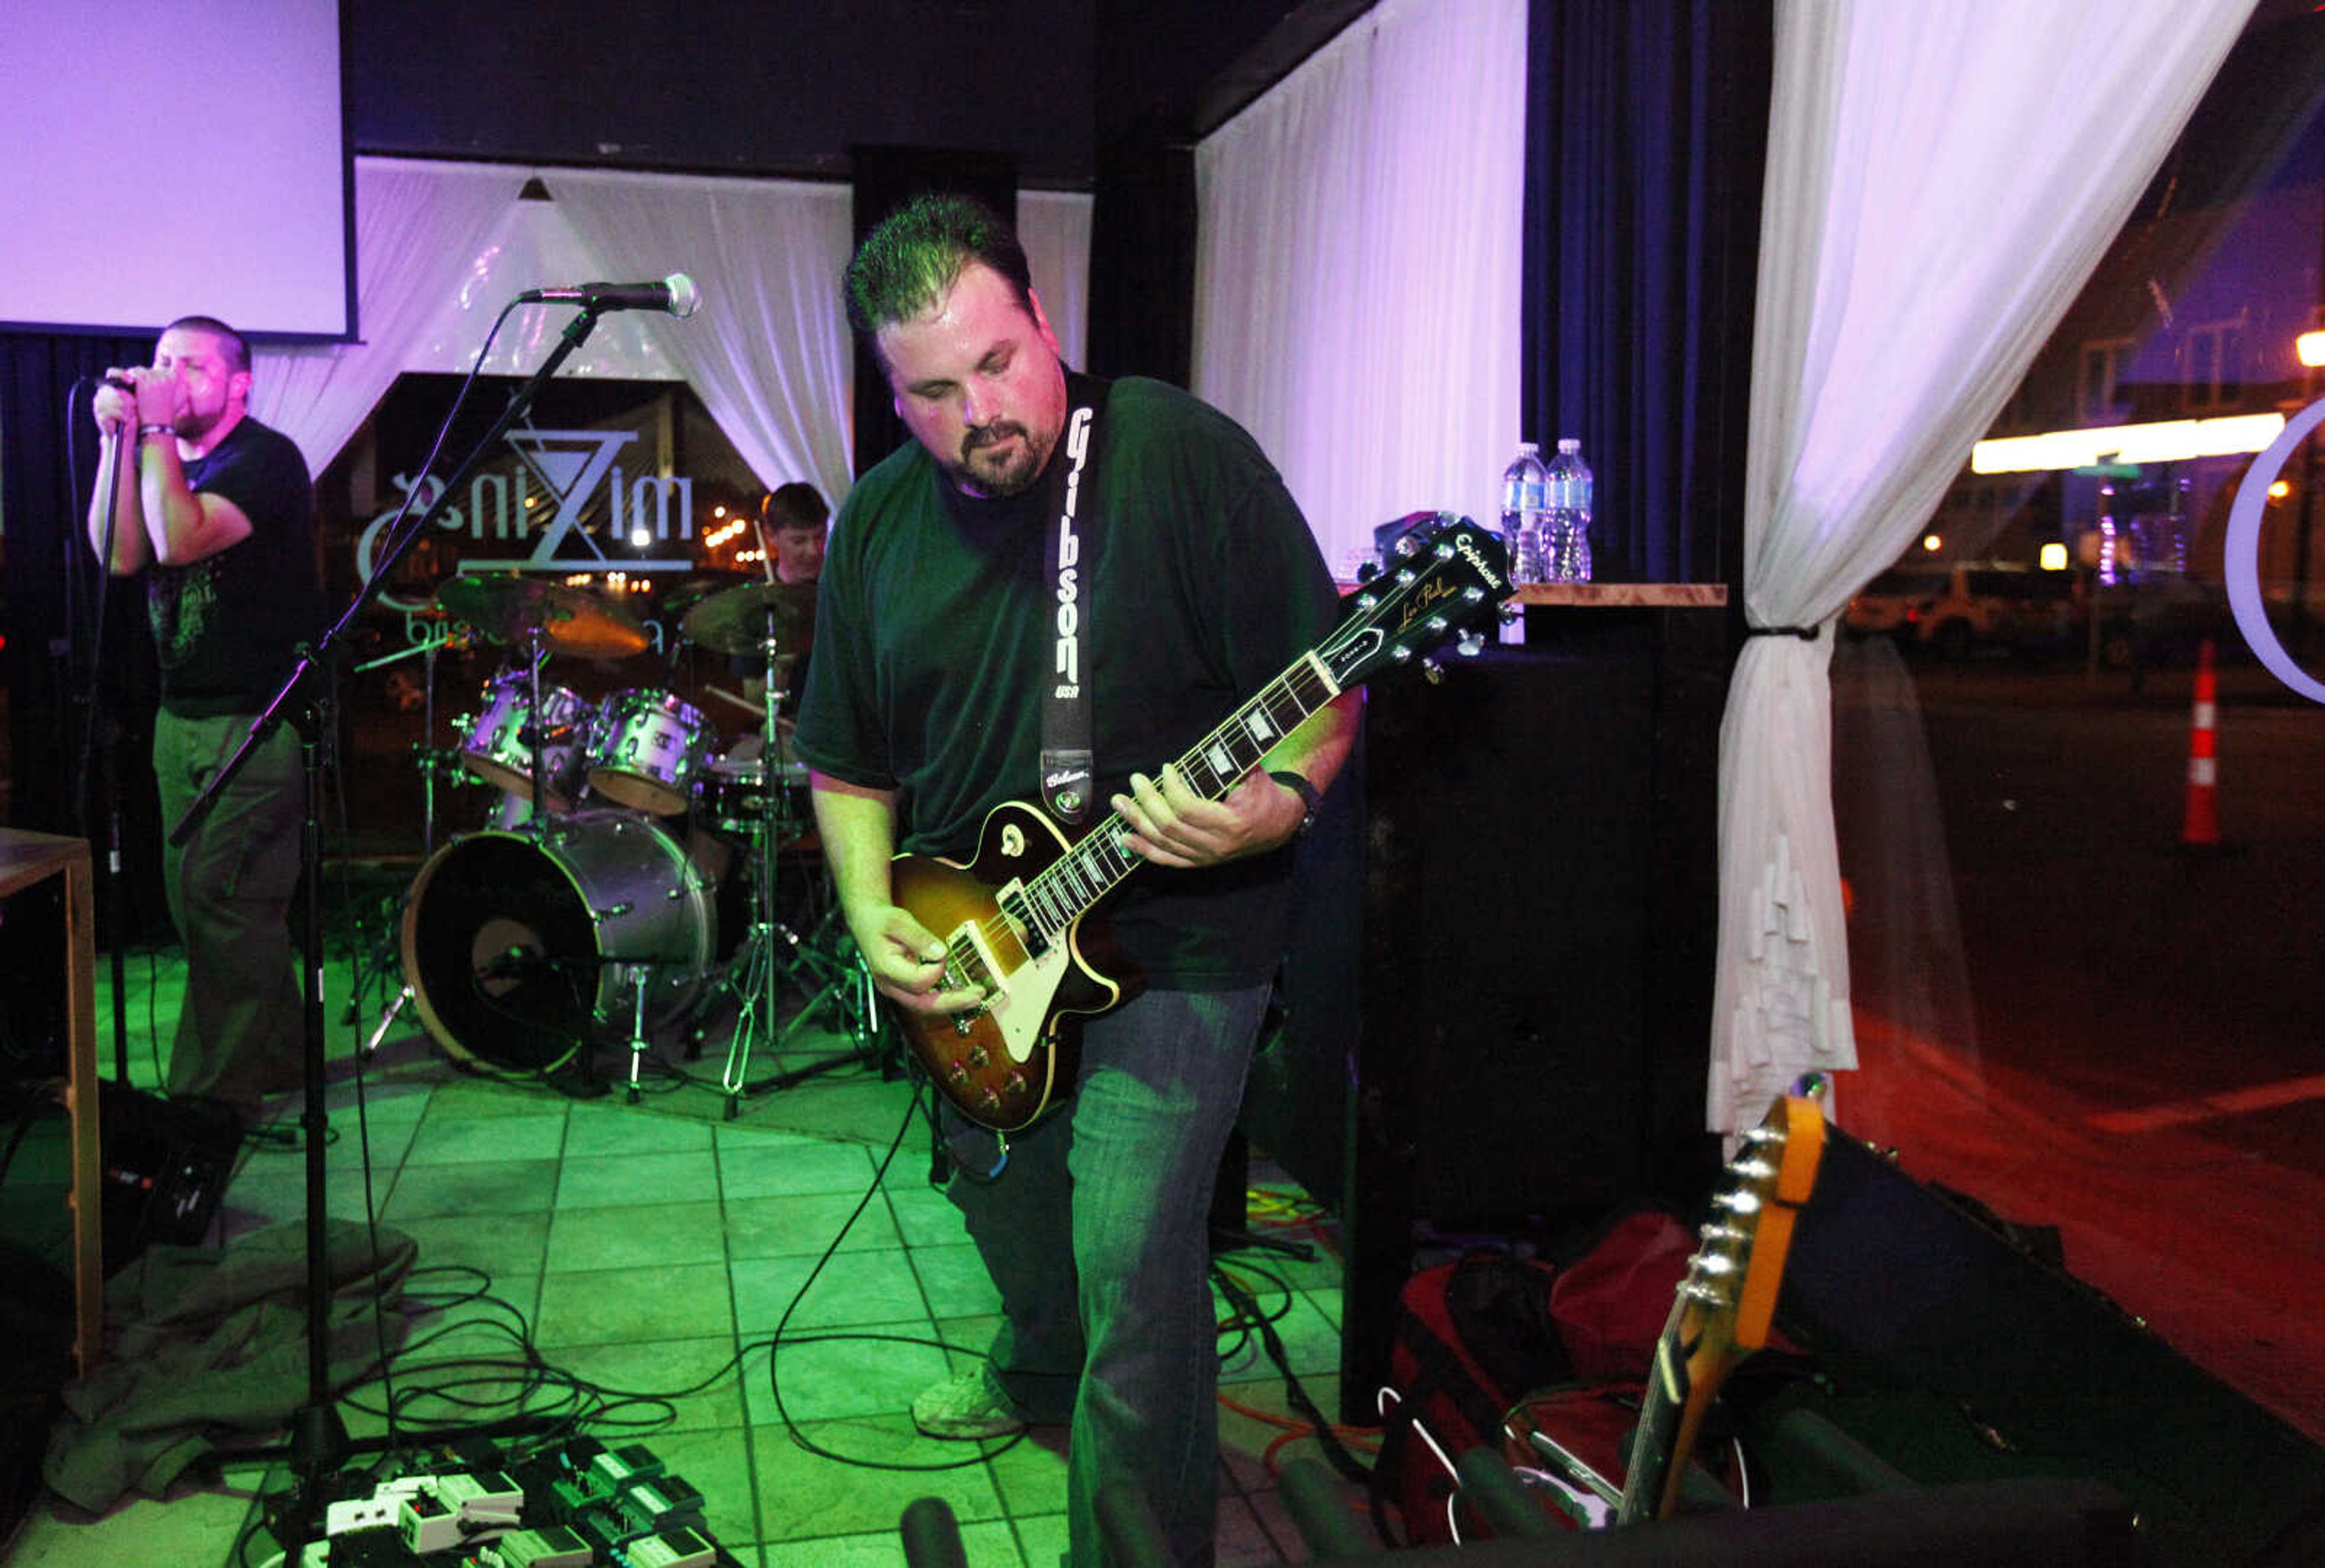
(166, 1167)
(1956, 1355)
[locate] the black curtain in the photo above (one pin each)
(1142, 281)
(59, 677)
(1646, 141)
(884, 179)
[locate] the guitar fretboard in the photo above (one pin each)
(1058, 895)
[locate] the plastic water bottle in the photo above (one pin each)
(1566, 526)
(1526, 495)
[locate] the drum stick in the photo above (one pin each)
(725, 695)
(766, 552)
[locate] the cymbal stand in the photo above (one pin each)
(773, 953)
(534, 735)
(384, 954)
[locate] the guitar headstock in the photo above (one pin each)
(1734, 1277)
(1728, 1300)
(1450, 577)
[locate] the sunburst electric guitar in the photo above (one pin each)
(1726, 1304)
(1012, 918)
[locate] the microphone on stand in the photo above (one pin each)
(675, 293)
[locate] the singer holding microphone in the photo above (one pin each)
(216, 511)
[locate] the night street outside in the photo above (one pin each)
(2124, 1038)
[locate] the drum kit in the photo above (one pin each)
(588, 909)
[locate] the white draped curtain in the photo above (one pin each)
(768, 351)
(419, 228)
(1357, 273)
(441, 248)
(1942, 180)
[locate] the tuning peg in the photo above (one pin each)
(1471, 644)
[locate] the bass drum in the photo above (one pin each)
(519, 949)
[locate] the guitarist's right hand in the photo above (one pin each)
(907, 963)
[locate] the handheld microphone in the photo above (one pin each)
(675, 293)
(121, 384)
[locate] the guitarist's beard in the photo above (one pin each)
(999, 461)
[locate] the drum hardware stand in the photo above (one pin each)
(773, 953)
(319, 1446)
(641, 979)
(384, 955)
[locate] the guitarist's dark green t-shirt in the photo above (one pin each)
(934, 646)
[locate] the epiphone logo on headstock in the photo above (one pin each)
(1466, 544)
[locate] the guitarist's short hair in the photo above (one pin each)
(906, 263)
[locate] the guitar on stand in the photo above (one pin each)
(1011, 918)
(773, 621)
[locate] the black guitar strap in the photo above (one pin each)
(1069, 761)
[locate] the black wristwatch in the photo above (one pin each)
(1308, 797)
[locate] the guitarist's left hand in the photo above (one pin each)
(1172, 825)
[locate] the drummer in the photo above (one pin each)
(792, 524)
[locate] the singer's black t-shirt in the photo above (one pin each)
(935, 640)
(226, 627)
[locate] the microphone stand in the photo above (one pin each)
(319, 1446)
(104, 734)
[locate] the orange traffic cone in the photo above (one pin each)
(2200, 827)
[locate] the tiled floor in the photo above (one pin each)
(650, 1251)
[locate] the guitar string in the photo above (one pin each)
(1049, 915)
(1301, 691)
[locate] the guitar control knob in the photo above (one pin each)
(1433, 673)
(960, 1025)
(978, 1056)
(957, 1073)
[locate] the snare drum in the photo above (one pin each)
(733, 794)
(498, 749)
(646, 748)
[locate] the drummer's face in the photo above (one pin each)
(799, 553)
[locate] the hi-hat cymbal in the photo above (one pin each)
(739, 619)
(511, 609)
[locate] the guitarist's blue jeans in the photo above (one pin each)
(1118, 1334)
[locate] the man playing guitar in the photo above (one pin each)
(1050, 543)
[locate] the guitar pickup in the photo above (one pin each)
(979, 969)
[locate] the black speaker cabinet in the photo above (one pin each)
(1957, 1355)
(1536, 865)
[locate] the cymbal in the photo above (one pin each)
(737, 620)
(511, 609)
